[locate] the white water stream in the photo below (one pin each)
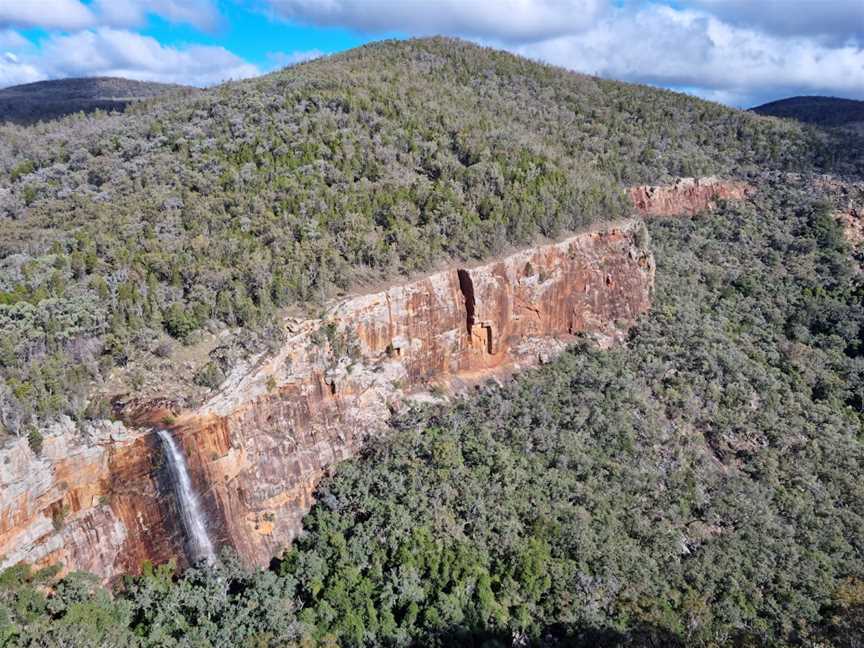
(200, 546)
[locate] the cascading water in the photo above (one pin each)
(200, 546)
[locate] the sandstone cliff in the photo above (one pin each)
(99, 500)
(687, 196)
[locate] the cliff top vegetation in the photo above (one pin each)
(696, 487)
(125, 237)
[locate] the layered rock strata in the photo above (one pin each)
(99, 500)
(688, 196)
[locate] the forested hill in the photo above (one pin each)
(697, 486)
(124, 237)
(822, 111)
(45, 100)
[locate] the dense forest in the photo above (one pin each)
(128, 242)
(699, 485)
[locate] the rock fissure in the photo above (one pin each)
(466, 286)
(257, 449)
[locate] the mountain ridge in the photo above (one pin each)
(55, 98)
(817, 110)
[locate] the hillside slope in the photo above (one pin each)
(699, 486)
(821, 111)
(123, 237)
(47, 100)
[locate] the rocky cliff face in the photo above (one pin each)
(100, 500)
(91, 500)
(687, 196)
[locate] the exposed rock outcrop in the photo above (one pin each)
(846, 200)
(688, 196)
(257, 448)
(91, 500)
(852, 221)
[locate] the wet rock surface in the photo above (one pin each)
(257, 449)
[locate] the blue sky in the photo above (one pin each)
(739, 52)
(258, 36)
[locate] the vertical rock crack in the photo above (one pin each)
(466, 286)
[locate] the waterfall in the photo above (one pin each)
(200, 546)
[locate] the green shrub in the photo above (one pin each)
(179, 323)
(210, 375)
(36, 441)
(21, 169)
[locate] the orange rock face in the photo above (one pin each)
(688, 196)
(257, 449)
(92, 501)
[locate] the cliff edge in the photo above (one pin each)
(100, 500)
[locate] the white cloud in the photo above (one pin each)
(12, 70)
(73, 15)
(202, 14)
(113, 52)
(836, 22)
(48, 14)
(695, 51)
(510, 21)
(10, 39)
(92, 40)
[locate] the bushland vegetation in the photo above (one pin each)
(123, 236)
(696, 487)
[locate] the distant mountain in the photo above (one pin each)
(822, 111)
(45, 100)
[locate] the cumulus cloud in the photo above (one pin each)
(12, 69)
(95, 40)
(14, 72)
(113, 52)
(699, 53)
(202, 14)
(10, 39)
(837, 22)
(508, 21)
(48, 14)
(73, 15)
